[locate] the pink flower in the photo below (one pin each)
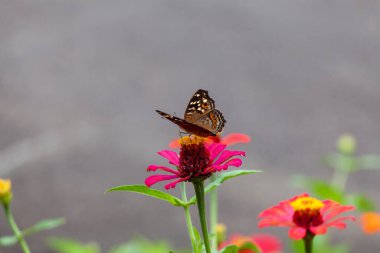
(265, 242)
(196, 160)
(304, 214)
(229, 140)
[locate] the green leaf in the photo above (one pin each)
(40, 226)
(250, 246)
(322, 244)
(342, 162)
(46, 224)
(64, 245)
(198, 240)
(6, 241)
(229, 249)
(319, 188)
(141, 245)
(221, 178)
(369, 162)
(297, 246)
(361, 202)
(145, 190)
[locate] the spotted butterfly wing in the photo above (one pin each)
(201, 118)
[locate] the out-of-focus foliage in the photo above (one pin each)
(42, 225)
(138, 245)
(321, 244)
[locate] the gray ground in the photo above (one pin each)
(79, 82)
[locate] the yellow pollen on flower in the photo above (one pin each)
(306, 203)
(5, 187)
(191, 139)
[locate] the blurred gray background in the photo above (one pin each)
(80, 80)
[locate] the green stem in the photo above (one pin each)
(308, 241)
(16, 230)
(189, 223)
(214, 216)
(339, 178)
(200, 194)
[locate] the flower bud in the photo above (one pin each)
(346, 144)
(5, 191)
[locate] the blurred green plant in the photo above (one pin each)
(6, 196)
(137, 245)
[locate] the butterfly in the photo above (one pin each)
(201, 118)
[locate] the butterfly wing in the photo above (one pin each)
(187, 126)
(212, 121)
(200, 104)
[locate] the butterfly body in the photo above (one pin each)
(201, 118)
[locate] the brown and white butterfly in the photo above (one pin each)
(201, 118)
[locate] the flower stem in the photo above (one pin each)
(214, 216)
(308, 241)
(189, 223)
(339, 178)
(200, 194)
(16, 230)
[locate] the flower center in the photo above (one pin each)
(306, 212)
(194, 158)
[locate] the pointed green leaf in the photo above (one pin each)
(145, 190)
(361, 202)
(342, 162)
(46, 224)
(64, 245)
(198, 240)
(229, 249)
(142, 245)
(6, 241)
(369, 162)
(40, 226)
(221, 178)
(250, 246)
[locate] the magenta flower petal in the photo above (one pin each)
(194, 162)
(236, 162)
(172, 156)
(173, 184)
(214, 149)
(227, 154)
(158, 167)
(151, 180)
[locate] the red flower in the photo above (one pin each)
(265, 242)
(304, 214)
(370, 222)
(228, 140)
(196, 160)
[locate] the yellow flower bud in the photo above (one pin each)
(221, 230)
(5, 190)
(346, 144)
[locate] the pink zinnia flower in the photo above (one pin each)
(229, 140)
(265, 242)
(305, 215)
(197, 160)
